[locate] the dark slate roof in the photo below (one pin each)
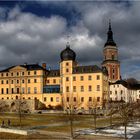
(68, 54)
(54, 73)
(127, 85)
(122, 82)
(86, 69)
(27, 66)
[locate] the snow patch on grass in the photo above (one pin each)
(132, 128)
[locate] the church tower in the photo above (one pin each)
(110, 53)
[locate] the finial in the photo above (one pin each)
(109, 24)
(68, 41)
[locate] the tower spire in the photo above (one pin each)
(110, 40)
(68, 41)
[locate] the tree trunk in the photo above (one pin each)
(111, 120)
(95, 120)
(71, 125)
(125, 131)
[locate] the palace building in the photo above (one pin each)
(72, 84)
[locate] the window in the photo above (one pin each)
(6, 74)
(82, 99)
(121, 91)
(28, 89)
(6, 81)
(34, 72)
(2, 91)
(29, 98)
(117, 85)
(116, 92)
(45, 99)
(17, 90)
(22, 90)
(74, 88)
(74, 78)
(7, 90)
(2, 82)
(113, 71)
(67, 89)
(67, 64)
(29, 81)
(51, 99)
(110, 92)
(90, 99)
(113, 76)
(48, 81)
(12, 90)
(17, 81)
(112, 57)
(98, 99)
(22, 81)
(67, 70)
(67, 78)
(82, 88)
(12, 82)
(2, 75)
(81, 78)
(98, 77)
(57, 99)
(17, 73)
(35, 80)
(67, 99)
(89, 77)
(28, 72)
(11, 74)
(22, 73)
(98, 87)
(54, 80)
(35, 89)
(90, 88)
(74, 99)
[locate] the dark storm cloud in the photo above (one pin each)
(28, 37)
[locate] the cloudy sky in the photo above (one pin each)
(36, 32)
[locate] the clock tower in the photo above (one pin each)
(110, 53)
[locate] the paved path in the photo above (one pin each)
(136, 136)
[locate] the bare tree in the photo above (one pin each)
(71, 104)
(92, 105)
(112, 111)
(125, 112)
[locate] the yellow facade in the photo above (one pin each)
(71, 84)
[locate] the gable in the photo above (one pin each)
(17, 68)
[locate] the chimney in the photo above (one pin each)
(25, 64)
(44, 65)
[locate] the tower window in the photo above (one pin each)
(113, 70)
(112, 57)
(67, 78)
(67, 70)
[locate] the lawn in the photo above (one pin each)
(53, 123)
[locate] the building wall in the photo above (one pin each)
(82, 88)
(118, 92)
(111, 62)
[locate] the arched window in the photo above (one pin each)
(113, 57)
